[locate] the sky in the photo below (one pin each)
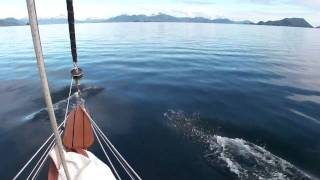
(254, 10)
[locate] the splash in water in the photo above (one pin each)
(238, 158)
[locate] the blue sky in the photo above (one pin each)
(254, 10)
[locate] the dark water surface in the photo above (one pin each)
(180, 101)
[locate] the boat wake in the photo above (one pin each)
(60, 105)
(235, 157)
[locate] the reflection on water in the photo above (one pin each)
(257, 87)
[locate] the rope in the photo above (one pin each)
(35, 154)
(41, 165)
(120, 162)
(40, 160)
(33, 20)
(117, 152)
(44, 160)
(42, 146)
(112, 147)
(68, 101)
(104, 151)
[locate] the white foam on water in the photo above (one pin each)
(61, 105)
(243, 159)
(56, 106)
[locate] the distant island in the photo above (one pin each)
(168, 18)
(11, 22)
(292, 22)
(161, 17)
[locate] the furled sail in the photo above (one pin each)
(81, 166)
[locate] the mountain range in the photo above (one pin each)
(295, 22)
(168, 18)
(11, 22)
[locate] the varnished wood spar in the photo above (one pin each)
(78, 132)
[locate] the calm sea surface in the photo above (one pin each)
(179, 101)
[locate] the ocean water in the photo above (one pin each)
(179, 100)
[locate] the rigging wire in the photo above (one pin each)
(41, 165)
(77, 75)
(41, 158)
(111, 145)
(105, 153)
(33, 20)
(44, 160)
(52, 145)
(30, 160)
(119, 160)
(68, 102)
(48, 139)
(35, 154)
(117, 152)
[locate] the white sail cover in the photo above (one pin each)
(81, 167)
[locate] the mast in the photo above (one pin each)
(45, 87)
(76, 72)
(72, 33)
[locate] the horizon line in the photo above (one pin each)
(154, 14)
